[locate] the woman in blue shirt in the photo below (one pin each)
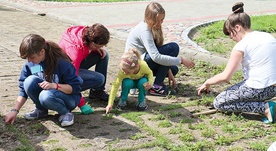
(49, 79)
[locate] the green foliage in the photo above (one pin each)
(170, 107)
(158, 117)
(207, 100)
(264, 23)
(218, 122)
(211, 37)
(177, 130)
(258, 145)
(224, 140)
(187, 137)
(58, 149)
(206, 69)
(208, 132)
(186, 120)
(137, 136)
(107, 116)
(174, 114)
(231, 128)
(199, 126)
(26, 145)
(165, 123)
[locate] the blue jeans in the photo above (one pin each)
(159, 71)
(50, 99)
(128, 84)
(91, 79)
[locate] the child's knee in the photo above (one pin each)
(127, 83)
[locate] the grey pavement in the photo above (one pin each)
(120, 17)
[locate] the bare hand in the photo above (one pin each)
(187, 62)
(172, 82)
(147, 85)
(171, 79)
(10, 117)
(108, 109)
(203, 88)
(47, 85)
(102, 52)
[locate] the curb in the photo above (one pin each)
(200, 53)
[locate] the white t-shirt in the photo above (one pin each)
(259, 60)
(272, 147)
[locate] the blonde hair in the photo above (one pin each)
(151, 13)
(129, 60)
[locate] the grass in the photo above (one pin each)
(212, 38)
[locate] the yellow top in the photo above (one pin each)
(144, 71)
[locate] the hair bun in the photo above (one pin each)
(238, 7)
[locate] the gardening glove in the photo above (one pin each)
(86, 109)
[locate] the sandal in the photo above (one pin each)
(271, 106)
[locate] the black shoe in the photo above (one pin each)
(158, 90)
(142, 106)
(121, 104)
(98, 94)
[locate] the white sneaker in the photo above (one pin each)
(66, 119)
(133, 91)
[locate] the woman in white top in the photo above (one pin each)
(256, 52)
(147, 38)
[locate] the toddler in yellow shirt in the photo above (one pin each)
(133, 73)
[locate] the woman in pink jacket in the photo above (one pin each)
(85, 46)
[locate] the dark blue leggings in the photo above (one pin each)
(159, 71)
